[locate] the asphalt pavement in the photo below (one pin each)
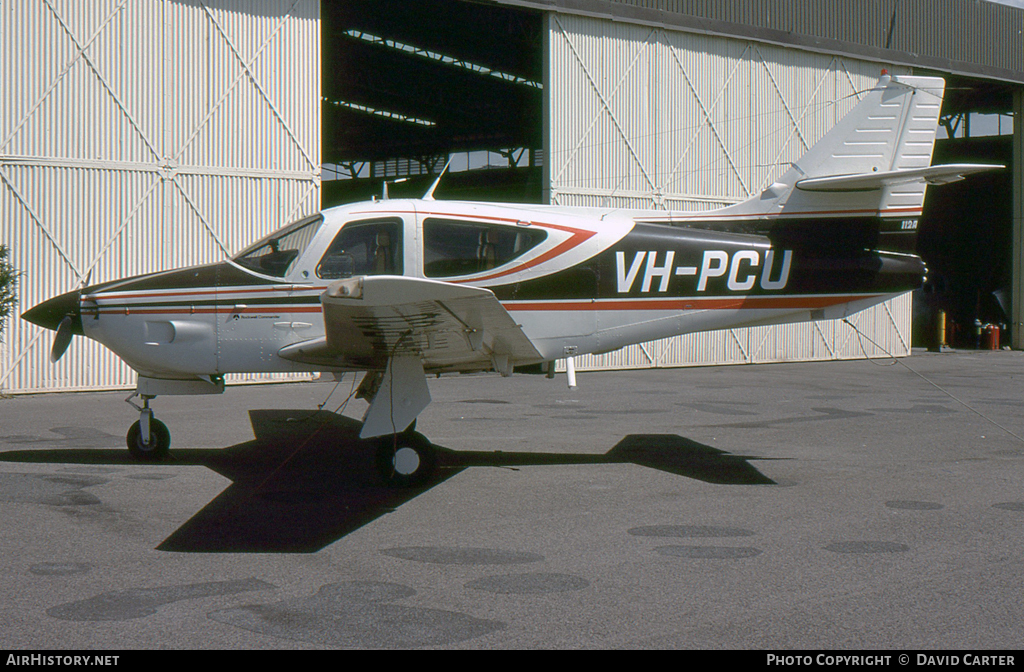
(841, 505)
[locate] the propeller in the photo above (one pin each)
(63, 314)
(65, 332)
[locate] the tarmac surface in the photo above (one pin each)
(841, 505)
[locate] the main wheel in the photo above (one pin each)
(159, 441)
(406, 459)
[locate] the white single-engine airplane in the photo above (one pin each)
(405, 288)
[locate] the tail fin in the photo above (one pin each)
(857, 169)
(892, 129)
(863, 184)
(881, 151)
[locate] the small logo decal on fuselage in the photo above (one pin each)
(738, 269)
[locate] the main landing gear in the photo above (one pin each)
(406, 459)
(396, 396)
(148, 440)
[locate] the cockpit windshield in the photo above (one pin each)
(276, 254)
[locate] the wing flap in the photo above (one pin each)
(371, 319)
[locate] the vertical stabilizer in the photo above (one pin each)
(890, 131)
(889, 134)
(892, 128)
(861, 186)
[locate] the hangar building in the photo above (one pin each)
(138, 135)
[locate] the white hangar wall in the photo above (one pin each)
(139, 135)
(643, 117)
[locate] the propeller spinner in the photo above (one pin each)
(63, 315)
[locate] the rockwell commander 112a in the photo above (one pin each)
(405, 288)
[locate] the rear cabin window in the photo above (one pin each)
(369, 247)
(454, 247)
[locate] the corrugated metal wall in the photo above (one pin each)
(643, 117)
(966, 37)
(878, 332)
(646, 117)
(138, 135)
(982, 34)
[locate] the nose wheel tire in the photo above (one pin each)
(406, 459)
(159, 441)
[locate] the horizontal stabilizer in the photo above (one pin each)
(943, 174)
(670, 453)
(685, 457)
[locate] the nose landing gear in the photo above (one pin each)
(148, 439)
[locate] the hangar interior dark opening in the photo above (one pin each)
(966, 230)
(408, 84)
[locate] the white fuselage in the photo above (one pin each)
(233, 318)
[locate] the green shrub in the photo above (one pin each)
(8, 287)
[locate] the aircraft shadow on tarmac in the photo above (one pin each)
(307, 480)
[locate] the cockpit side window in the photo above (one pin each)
(454, 247)
(276, 254)
(368, 247)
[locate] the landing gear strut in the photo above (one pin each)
(148, 440)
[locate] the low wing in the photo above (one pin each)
(371, 319)
(943, 174)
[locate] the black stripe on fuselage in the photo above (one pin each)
(220, 275)
(826, 234)
(180, 302)
(198, 287)
(668, 261)
(653, 260)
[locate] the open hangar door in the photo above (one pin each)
(966, 229)
(406, 85)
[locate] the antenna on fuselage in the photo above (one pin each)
(429, 196)
(384, 194)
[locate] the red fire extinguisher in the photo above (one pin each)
(991, 337)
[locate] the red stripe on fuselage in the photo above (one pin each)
(849, 214)
(579, 236)
(226, 310)
(718, 303)
(197, 293)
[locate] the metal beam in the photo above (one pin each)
(976, 39)
(1017, 166)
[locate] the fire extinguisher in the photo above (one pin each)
(991, 337)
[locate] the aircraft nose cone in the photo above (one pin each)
(51, 313)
